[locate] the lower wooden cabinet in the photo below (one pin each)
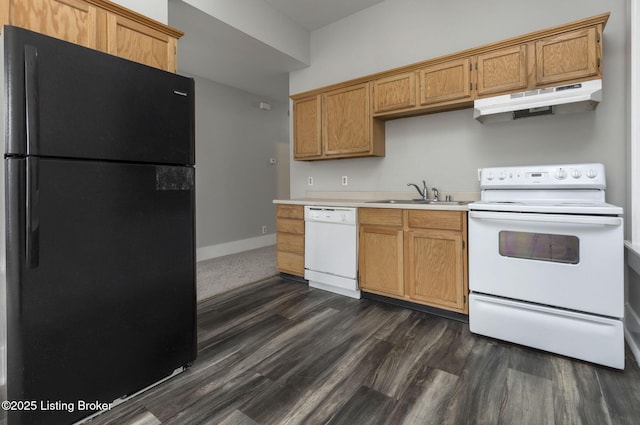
(290, 239)
(415, 255)
(381, 260)
(435, 268)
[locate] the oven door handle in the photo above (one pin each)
(548, 218)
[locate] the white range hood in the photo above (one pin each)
(577, 97)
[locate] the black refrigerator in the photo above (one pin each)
(98, 296)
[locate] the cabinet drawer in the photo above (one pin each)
(289, 225)
(380, 216)
(290, 242)
(291, 263)
(446, 220)
(290, 211)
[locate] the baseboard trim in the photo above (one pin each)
(228, 248)
(418, 307)
(632, 331)
(293, 278)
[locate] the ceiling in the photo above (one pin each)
(214, 50)
(314, 14)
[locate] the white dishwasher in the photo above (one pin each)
(331, 249)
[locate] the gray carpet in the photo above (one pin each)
(222, 274)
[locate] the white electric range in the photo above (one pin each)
(546, 261)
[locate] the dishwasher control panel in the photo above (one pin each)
(337, 215)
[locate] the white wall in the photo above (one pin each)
(260, 20)
(154, 9)
(446, 149)
(235, 184)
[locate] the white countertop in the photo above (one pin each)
(367, 200)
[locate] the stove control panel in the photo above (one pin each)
(565, 176)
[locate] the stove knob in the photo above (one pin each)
(576, 174)
(561, 174)
(592, 174)
(502, 176)
(490, 176)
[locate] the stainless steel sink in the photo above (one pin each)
(399, 201)
(419, 202)
(431, 202)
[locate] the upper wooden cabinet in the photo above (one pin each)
(337, 124)
(352, 114)
(307, 128)
(569, 56)
(559, 59)
(75, 21)
(445, 82)
(394, 92)
(97, 24)
(346, 120)
(503, 70)
(132, 40)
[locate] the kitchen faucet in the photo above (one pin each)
(435, 193)
(424, 192)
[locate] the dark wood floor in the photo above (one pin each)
(279, 353)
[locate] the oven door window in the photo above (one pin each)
(540, 246)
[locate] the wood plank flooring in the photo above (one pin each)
(278, 352)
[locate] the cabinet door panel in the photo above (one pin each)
(567, 56)
(131, 40)
(289, 262)
(381, 260)
(394, 92)
(503, 70)
(70, 20)
(346, 121)
(435, 273)
(445, 82)
(307, 125)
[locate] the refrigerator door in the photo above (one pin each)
(65, 100)
(101, 281)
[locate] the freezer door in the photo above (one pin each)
(101, 281)
(65, 100)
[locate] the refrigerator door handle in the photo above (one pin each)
(31, 97)
(32, 237)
